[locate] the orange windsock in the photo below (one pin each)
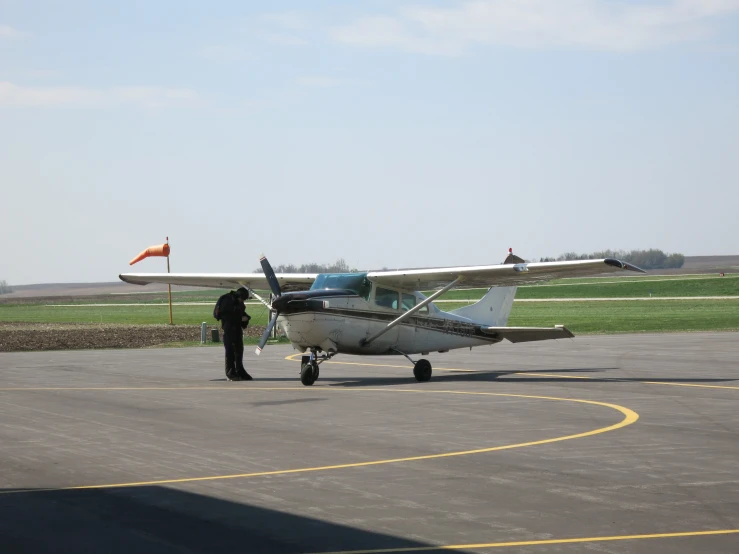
(159, 250)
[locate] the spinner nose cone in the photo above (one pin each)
(280, 302)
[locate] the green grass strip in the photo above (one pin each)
(626, 316)
(580, 317)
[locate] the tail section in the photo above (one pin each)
(513, 259)
(493, 309)
(496, 305)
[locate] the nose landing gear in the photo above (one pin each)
(308, 373)
(309, 366)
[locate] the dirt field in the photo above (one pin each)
(71, 290)
(86, 297)
(23, 337)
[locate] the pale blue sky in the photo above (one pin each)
(388, 133)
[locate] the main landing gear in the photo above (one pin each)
(309, 366)
(421, 368)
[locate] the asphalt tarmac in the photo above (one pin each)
(620, 444)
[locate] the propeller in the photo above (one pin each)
(274, 285)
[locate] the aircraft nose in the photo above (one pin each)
(280, 302)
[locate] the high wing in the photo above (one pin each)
(288, 281)
(497, 275)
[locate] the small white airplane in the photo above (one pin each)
(383, 312)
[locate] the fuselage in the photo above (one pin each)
(340, 319)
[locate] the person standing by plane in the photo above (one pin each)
(231, 312)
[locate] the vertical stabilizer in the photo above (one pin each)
(493, 309)
(513, 259)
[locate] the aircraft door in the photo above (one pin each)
(356, 325)
(409, 335)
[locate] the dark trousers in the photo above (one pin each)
(233, 342)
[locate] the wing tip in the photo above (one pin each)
(623, 265)
(128, 279)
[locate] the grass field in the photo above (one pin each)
(580, 316)
(626, 288)
(627, 316)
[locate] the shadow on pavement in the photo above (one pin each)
(165, 520)
(513, 376)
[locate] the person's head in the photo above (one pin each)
(242, 293)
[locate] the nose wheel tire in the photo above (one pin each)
(422, 370)
(308, 373)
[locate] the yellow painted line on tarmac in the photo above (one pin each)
(627, 380)
(630, 417)
(689, 385)
(530, 374)
(543, 542)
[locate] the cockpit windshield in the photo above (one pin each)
(355, 282)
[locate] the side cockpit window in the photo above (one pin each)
(386, 298)
(410, 300)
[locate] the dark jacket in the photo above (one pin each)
(232, 312)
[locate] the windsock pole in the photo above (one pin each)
(159, 250)
(169, 290)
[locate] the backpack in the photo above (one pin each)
(217, 308)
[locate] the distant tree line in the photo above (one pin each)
(340, 266)
(5, 287)
(646, 259)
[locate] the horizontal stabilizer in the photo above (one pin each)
(528, 334)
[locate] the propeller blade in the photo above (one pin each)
(267, 331)
(270, 275)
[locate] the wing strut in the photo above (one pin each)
(255, 295)
(413, 310)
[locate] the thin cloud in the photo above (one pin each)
(6, 31)
(280, 29)
(18, 96)
(287, 20)
(282, 39)
(285, 28)
(321, 82)
(226, 53)
(383, 31)
(588, 24)
(43, 73)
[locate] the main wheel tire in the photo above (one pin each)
(422, 371)
(308, 374)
